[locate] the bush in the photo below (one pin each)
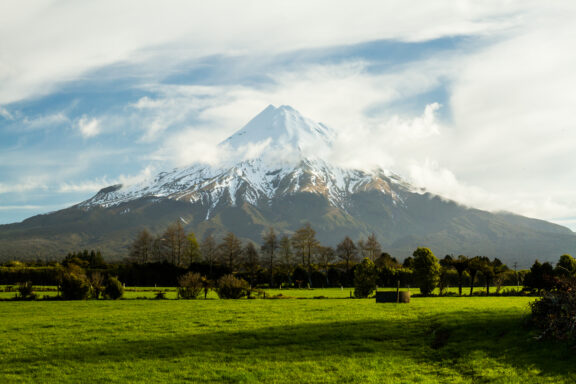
(74, 284)
(113, 289)
(190, 285)
(365, 276)
(426, 270)
(555, 312)
(229, 287)
(26, 291)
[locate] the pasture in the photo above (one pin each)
(430, 340)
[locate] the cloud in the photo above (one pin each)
(68, 39)
(6, 114)
(89, 127)
(94, 185)
(28, 184)
(20, 207)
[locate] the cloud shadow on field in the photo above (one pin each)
(434, 340)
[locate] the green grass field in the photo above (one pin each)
(451, 340)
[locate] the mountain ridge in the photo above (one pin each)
(277, 176)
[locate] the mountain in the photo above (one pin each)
(276, 172)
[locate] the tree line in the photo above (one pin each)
(301, 260)
(296, 260)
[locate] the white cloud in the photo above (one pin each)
(20, 207)
(94, 185)
(69, 39)
(6, 114)
(25, 185)
(89, 127)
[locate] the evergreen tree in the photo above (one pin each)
(426, 270)
(365, 276)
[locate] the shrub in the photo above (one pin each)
(74, 284)
(365, 276)
(160, 295)
(555, 312)
(190, 285)
(26, 291)
(96, 284)
(229, 287)
(113, 289)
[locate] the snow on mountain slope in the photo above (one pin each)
(279, 152)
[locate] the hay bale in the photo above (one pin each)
(404, 296)
(393, 297)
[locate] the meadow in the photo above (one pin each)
(430, 340)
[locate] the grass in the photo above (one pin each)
(430, 340)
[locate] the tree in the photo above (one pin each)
(487, 270)
(460, 264)
(566, 266)
(426, 270)
(372, 247)
(474, 265)
(385, 260)
(304, 241)
(347, 251)
(326, 255)
(540, 277)
(269, 247)
(230, 250)
(500, 270)
(408, 262)
(251, 261)
(208, 250)
(365, 275)
(192, 250)
(286, 256)
(174, 243)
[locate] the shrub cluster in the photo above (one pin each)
(26, 291)
(555, 312)
(230, 287)
(75, 285)
(190, 285)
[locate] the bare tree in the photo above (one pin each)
(304, 241)
(251, 261)
(287, 259)
(208, 250)
(348, 253)
(372, 247)
(229, 251)
(141, 248)
(269, 247)
(174, 243)
(326, 256)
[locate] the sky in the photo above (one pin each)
(471, 100)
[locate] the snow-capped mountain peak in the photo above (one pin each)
(289, 159)
(282, 131)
